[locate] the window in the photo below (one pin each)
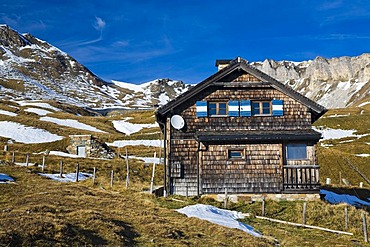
(235, 154)
(217, 108)
(296, 151)
(261, 108)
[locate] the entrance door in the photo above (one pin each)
(81, 151)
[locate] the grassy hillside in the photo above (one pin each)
(334, 155)
(38, 211)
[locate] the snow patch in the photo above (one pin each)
(363, 104)
(38, 111)
(148, 143)
(26, 134)
(130, 128)
(329, 133)
(69, 177)
(218, 216)
(363, 155)
(37, 104)
(8, 113)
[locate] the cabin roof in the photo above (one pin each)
(235, 65)
(251, 135)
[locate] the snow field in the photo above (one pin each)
(26, 134)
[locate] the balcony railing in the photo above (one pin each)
(301, 178)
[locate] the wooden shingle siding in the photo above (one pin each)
(295, 114)
(184, 152)
(259, 171)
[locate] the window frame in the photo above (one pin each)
(296, 145)
(241, 150)
(218, 109)
(261, 108)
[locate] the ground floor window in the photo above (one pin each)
(235, 153)
(296, 151)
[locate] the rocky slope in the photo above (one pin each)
(334, 83)
(33, 69)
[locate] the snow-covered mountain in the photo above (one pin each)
(33, 69)
(334, 83)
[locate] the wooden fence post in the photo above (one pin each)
(94, 176)
(43, 163)
(304, 213)
(364, 226)
(127, 171)
(77, 171)
(226, 198)
(187, 190)
(111, 178)
(153, 172)
(61, 169)
(263, 206)
(346, 218)
(13, 157)
(6, 148)
(27, 159)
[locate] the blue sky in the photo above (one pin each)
(141, 40)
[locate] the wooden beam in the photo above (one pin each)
(304, 225)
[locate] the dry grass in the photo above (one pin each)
(38, 211)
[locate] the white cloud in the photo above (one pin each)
(99, 24)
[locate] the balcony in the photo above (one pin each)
(301, 178)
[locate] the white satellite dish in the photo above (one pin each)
(177, 122)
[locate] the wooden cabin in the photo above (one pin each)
(243, 131)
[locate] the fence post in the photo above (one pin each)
(364, 226)
(127, 171)
(226, 198)
(111, 178)
(13, 157)
(94, 176)
(346, 218)
(153, 172)
(77, 171)
(187, 190)
(6, 148)
(304, 213)
(263, 206)
(61, 169)
(43, 163)
(27, 159)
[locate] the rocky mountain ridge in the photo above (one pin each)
(334, 83)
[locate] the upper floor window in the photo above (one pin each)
(261, 107)
(296, 151)
(217, 108)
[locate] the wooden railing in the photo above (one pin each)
(301, 178)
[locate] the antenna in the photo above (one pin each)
(177, 122)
